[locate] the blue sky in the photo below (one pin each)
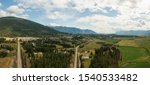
(102, 16)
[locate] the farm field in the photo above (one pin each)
(135, 52)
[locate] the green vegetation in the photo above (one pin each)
(92, 45)
(135, 51)
(134, 57)
(4, 50)
(111, 40)
(86, 63)
(106, 57)
(7, 52)
(56, 49)
(2, 40)
(42, 53)
(14, 27)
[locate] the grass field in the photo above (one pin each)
(91, 45)
(111, 40)
(143, 42)
(5, 62)
(127, 43)
(134, 57)
(135, 51)
(86, 63)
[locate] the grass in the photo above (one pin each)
(91, 45)
(14, 45)
(135, 51)
(86, 63)
(128, 43)
(111, 40)
(5, 62)
(139, 65)
(143, 42)
(134, 57)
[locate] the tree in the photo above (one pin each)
(106, 57)
(2, 40)
(51, 57)
(3, 54)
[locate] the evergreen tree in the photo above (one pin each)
(106, 57)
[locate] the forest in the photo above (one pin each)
(45, 55)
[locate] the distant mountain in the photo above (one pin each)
(135, 32)
(73, 30)
(12, 26)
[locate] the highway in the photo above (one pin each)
(19, 60)
(76, 57)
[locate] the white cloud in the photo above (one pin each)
(60, 3)
(46, 6)
(43, 4)
(105, 24)
(56, 15)
(54, 24)
(15, 9)
(130, 14)
(2, 13)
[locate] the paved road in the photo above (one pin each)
(19, 61)
(76, 57)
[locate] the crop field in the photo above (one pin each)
(92, 44)
(135, 52)
(127, 43)
(134, 57)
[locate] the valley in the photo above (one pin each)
(27, 44)
(74, 51)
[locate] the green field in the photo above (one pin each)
(134, 57)
(91, 45)
(135, 52)
(86, 63)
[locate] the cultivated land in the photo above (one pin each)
(42, 46)
(135, 51)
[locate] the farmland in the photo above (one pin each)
(135, 51)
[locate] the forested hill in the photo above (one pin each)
(73, 30)
(135, 32)
(12, 27)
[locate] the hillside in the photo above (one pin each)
(135, 32)
(12, 26)
(73, 30)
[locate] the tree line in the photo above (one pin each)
(106, 57)
(44, 55)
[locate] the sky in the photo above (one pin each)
(101, 16)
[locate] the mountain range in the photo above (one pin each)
(12, 26)
(134, 32)
(73, 30)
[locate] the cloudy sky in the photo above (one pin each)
(102, 16)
